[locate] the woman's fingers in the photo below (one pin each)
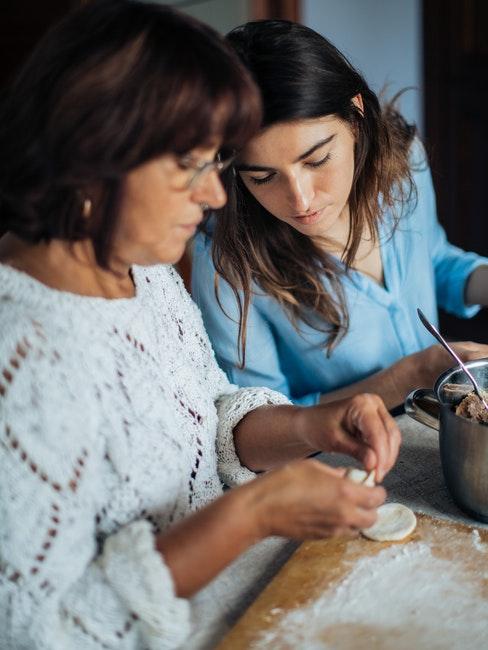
(359, 510)
(352, 445)
(438, 359)
(356, 504)
(306, 495)
(470, 349)
(368, 498)
(359, 426)
(394, 439)
(369, 422)
(335, 471)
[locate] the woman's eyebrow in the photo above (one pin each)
(315, 147)
(261, 168)
(252, 168)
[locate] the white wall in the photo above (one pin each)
(222, 15)
(382, 38)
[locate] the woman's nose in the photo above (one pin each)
(301, 193)
(210, 191)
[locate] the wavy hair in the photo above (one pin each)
(113, 85)
(301, 75)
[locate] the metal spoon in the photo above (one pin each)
(446, 345)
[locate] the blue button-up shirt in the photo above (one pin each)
(421, 269)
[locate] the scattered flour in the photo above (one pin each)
(402, 598)
(477, 543)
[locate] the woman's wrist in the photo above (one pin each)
(249, 502)
(401, 375)
(199, 546)
(271, 436)
(301, 427)
(423, 367)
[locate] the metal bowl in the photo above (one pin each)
(463, 443)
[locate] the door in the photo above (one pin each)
(456, 99)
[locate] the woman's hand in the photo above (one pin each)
(428, 364)
(302, 500)
(309, 500)
(359, 426)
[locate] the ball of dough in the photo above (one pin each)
(395, 522)
(360, 476)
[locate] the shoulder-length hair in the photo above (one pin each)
(113, 85)
(301, 75)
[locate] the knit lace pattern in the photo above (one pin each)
(115, 423)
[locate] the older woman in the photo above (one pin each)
(117, 426)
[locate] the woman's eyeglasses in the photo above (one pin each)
(198, 170)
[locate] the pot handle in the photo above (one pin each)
(422, 405)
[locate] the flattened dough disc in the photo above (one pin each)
(395, 522)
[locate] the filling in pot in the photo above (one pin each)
(472, 407)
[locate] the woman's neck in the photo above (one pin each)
(368, 254)
(337, 234)
(67, 266)
(336, 237)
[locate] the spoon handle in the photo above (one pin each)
(436, 334)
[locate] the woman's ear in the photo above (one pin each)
(87, 207)
(357, 100)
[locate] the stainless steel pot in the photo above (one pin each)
(463, 443)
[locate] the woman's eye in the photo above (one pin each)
(184, 163)
(319, 163)
(261, 181)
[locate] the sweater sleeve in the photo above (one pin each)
(452, 265)
(61, 586)
(232, 403)
(231, 409)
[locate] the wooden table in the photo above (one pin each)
(355, 594)
(416, 481)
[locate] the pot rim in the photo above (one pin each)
(444, 377)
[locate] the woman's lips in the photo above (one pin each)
(309, 219)
(190, 227)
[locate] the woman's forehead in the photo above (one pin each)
(290, 139)
(211, 145)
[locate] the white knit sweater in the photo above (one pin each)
(115, 422)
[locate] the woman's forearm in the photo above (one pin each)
(270, 436)
(201, 545)
(417, 370)
(476, 292)
(391, 384)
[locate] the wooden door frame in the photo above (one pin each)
(455, 58)
(282, 9)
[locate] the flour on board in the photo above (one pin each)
(402, 598)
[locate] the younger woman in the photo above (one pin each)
(330, 240)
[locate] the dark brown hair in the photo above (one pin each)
(301, 75)
(113, 85)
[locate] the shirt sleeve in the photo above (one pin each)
(452, 265)
(61, 586)
(262, 360)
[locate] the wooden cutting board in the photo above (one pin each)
(319, 568)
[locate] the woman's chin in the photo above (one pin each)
(171, 253)
(313, 230)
